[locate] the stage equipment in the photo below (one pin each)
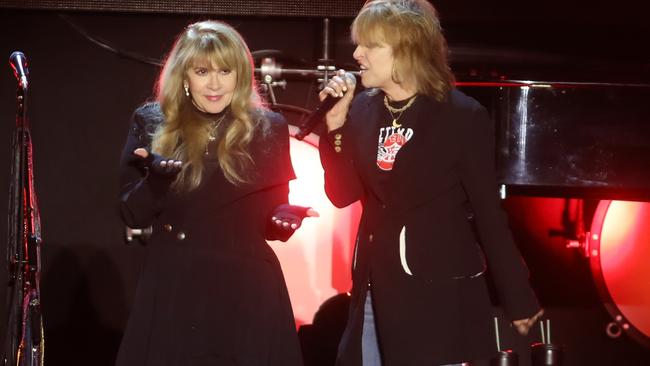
(265, 8)
(570, 139)
(591, 142)
(271, 70)
(504, 357)
(618, 253)
(24, 343)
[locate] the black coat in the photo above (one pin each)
(211, 291)
(429, 289)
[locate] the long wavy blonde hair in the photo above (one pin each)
(412, 29)
(185, 133)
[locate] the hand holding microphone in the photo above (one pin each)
(341, 87)
(335, 100)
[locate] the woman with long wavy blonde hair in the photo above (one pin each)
(206, 168)
(208, 47)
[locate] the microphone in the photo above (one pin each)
(318, 115)
(18, 62)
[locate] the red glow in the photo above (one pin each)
(624, 255)
(316, 261)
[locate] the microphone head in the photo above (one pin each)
(350, 77)
(17, 57)
(18, 63)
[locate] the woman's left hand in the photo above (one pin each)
(289, 217)
(524, 325)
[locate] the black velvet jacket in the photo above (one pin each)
(416, 246)
(211, 290)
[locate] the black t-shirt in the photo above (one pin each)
(395, 131)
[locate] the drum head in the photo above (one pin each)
(620, 256)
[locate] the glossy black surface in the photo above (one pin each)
(585, 139)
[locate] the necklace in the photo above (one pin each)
(213, 128)
(214, 125)
(392, 110)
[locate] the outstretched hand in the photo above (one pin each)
(289, 217)
(159, 165)
(524, 325)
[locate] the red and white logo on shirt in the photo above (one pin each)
(391, 140)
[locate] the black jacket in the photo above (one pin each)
(415, 244)
(211, 291)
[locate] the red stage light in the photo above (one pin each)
(316, 261)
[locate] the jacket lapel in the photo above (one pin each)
(369, 121)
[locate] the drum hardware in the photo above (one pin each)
(546, 353)
(615, 328)
(583, 243)
(505, 357)
(573, 228)
(615, 246)
(618, 261)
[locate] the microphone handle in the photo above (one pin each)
(316, 117)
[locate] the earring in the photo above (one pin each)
(394, 76)
(187, 89)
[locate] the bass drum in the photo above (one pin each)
(316, 261)
(620, 263)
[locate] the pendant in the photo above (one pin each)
(395, 124)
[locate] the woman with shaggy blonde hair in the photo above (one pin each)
(419, 154)
(207, 167)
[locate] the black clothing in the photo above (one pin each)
(415, 245)
(211, 291)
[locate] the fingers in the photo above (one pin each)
(338, 85)
(524, 325)
(521, 326)
(141, 152)
(537, 316)
(312, 213)
(171, 163)
(285, 223)
(167, 167)
(171, 166)
(332, 89)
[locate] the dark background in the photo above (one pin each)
(81, 97)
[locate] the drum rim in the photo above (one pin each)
(599, 279)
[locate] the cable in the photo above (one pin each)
(107, 46)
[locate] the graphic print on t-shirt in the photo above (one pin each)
(391, 140)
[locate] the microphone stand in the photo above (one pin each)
(24, 342)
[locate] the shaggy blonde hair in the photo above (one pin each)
(412, 29)
(185, 133)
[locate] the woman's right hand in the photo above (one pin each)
(159, 165)
(524, 325)
(341, 86)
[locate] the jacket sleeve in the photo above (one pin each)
(141, 195)
(478, 176)
(278, 171)
(342, 182)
